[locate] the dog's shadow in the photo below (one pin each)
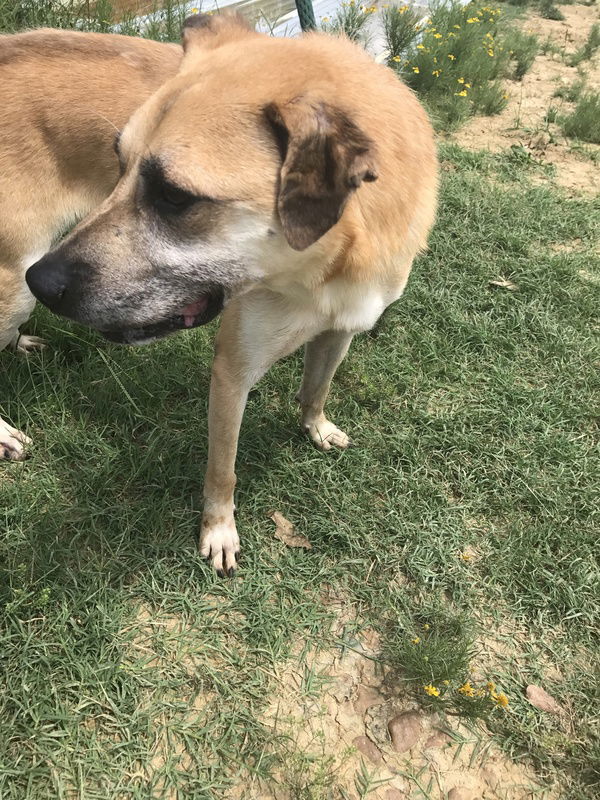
(120, 442)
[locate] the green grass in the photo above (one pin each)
(466, 518)
(474, 414)
(584, 122)
(586, 52)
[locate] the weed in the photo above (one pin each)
(349, 19)
(573, 92)
(549, 10)
(584, 122)
(589, 48)
(523, 48)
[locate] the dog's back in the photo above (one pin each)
(63, 95)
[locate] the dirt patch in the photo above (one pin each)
(349, 723)
(523, 121)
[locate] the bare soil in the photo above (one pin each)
(523, 120)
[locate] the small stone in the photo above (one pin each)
(405, 730)
(368, 749)
(456, 794)
(366, 697)
(540, 698)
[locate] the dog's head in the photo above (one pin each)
(234, 170)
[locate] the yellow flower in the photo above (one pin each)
(396, 58)
(431, 690)
(490, 686)
(465, 556)
(446, 683)
(461, 94)
(460, 80)
(490, 53)
(472, 20)
(457, 27)
(434, 60)
(436, 72)
(194, 11)
(324, 19)
(467, 85)
(416, 640)
(466, 689)
(501, 700)
(437, 35)
(420, 47)
(416, 70)
(451, 57)
(426, 626)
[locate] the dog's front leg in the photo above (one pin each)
(256, 330)
(229, 389)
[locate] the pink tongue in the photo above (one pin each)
(190, 312)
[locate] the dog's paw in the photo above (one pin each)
(326, 435)
(12, 442)
(27, 344)
(220, 544)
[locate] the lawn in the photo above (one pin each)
(464, 520)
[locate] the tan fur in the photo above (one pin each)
(314, 177)
(63, 95)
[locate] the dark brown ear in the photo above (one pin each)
(326, 157)
(212, 30)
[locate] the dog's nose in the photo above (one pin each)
(49, 279)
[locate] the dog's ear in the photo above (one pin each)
(326, 157)
(208, 31)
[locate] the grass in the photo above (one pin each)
(584, 122)
(586, 52)
(456, 59)
(465, 518)
(474, 412)
(349, 19)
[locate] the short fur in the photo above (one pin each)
(294, 180)
(63, 95)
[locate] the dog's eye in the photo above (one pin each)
(172, 199)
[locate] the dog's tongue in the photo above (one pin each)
(190, 312)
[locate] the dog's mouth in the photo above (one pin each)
(200, 312)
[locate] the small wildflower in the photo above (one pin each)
(426, 626)
(490, 686)
(461, 94)
(195, 11)
(420, 47)
(437, 35)
(472, 20)
(457, 27)
(431, 690)
(446, 683)
(466, 556)
(396, 58)
(466, 689)
(436, 72)
(501, 700)
(490, 53)
(451, 57)
(467, 85)
(434, 60)
(416, 70)
(460, 80)
(324, 19)
(416, 640)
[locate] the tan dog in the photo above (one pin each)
(62, 97)
(290, 181)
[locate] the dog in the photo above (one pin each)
(62, 96)
(287, 183)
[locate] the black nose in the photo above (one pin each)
(49, 280)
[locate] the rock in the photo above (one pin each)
(456, 794)
(540, 698)
(366, 697)
(405, 730)
(368, 749)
